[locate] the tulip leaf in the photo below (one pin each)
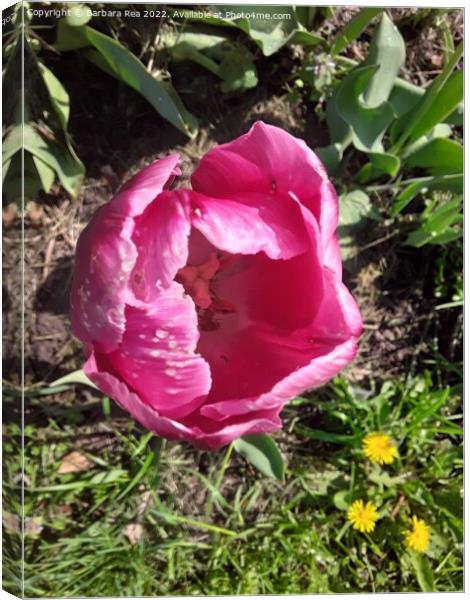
(12, 143)
(58, 96)
(387, 163)
(423, 571)
(262, 451)
(387, 50)
(230, 62)
(270, 32)
(73, 377)
(442, 130)
(368, 124)
(45, 172)
(121, 63)
(353, 29)
(440, 100)
(439, 156)
(67, 166)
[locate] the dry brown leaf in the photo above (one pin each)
(133, 532)
(75, 462)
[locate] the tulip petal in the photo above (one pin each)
(157, 356)
(269, 160)
(250, 223)
(200, 431)
(161, 238)
(105, 257)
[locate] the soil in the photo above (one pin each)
(116, 133)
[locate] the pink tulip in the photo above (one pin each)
(204, 311)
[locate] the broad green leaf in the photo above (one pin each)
(368, 124)
(338, 129)
(78, 14)
(126, 67)
(262, 26)
(73, 377)
(445, 102)
(69, 38)
(46, 173)
(59, 98)
(331, 157)
(231, 62)
(18, 174)
(69, 170)
(452, 183)
(387, 50)
(5, 166)
(423, 571)
(261, 450)
(306, 15)
(12, 142)
(388, 163)
(441, 98)
(439, 156)
(353, 29)
(354, 207)
(442, 130)
(238, 71)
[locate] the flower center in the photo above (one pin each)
(198, 282)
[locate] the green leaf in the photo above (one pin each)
(354, 208)
(439, 156)
(353, 29)
(387, 50)
(331, 157)
(12, 142)
(368, 124)
(69, 38)
(126, 67)
(387, 163)
(261, 450)
(68, 168)
(442, 130)
(262, 25)
(59, 98)
(451, 502)
(423, 572)
(325, 436)
(452, 183)
(339, 130)
(73, 377)
(238, 71)
(45, 172)
(441, 98)
(342, 499)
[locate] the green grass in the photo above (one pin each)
(252, 535)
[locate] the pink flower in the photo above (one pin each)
(204, 311)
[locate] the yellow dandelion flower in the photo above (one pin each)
(417, 538)
(363, 516)
(378, 447)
